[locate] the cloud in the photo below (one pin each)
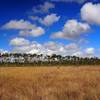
(78, 54)
(25, 28)
(18, 24)
(91, 13)
(50, 19)
(31, 48)
(72, 46)
(72, 30)
(34, 32)
(77, 1)
(54, 48)
(47, 20)
(45, 8)
(90, 51)
(47, 48)
(2, 51)
(21, 45)
(19, 42)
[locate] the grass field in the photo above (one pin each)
(50, 83)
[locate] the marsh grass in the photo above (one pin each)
(43, 83)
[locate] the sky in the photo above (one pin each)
(65, 27)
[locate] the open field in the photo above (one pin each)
(50, 83)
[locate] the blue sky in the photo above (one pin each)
(66, 27)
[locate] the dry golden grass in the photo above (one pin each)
(43, 83)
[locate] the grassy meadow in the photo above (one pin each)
(50, 83)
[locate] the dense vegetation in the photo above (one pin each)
(45, 60)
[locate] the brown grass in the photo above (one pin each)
(64, 83)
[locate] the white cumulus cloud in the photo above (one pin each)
(50, 19)
(46, 48)
(34, 32)
(18, 24)
(72, 30)
(90, 51)
(19, 42)
(91, 13)
(47, 20)
(25, 28)
(21, 45)
(78, 54)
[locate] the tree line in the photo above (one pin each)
(17, 59)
